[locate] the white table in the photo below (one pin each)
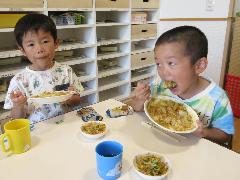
(59, 152)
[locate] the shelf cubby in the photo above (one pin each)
(142, 73)
(117, 32)
(112, 81)
(105, 17)
(142, 46)
(89, 87)
(89, 99)
(85, 71)
(119, 93)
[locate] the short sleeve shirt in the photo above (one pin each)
(212, 106)
(31, 83)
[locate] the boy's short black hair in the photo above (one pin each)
(194, 40)
(34, 22)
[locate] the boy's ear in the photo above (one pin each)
(22, 50)
(57, 42)
(201, 65)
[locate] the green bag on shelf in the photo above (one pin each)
(79, 18)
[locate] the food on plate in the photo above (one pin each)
(169, 84)
(51, 94)
(89, 114)
(170, 114)
(123, 110)
(151, 164)
(93, 128)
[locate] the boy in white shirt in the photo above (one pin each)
(36, 37)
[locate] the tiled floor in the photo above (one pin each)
(236, 137)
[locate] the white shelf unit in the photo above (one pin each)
(144, 33)
(114, 71)
(99, 50)
(113, 52)
(142, 46)
(118, 93)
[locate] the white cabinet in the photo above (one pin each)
(99, 45)
(113, 52)
(144, 33)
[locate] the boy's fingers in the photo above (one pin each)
(141, 85)
(142, 92)
(143, 96)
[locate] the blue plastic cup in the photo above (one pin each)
(109, 159)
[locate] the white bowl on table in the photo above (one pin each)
(189, 110)
(93, 136)
(152, 177)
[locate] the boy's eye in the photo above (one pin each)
(171, 64)
(30, 45)
(159, 65)
(45, 41)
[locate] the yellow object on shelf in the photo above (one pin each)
(9, 20)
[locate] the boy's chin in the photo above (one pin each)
(175, 91)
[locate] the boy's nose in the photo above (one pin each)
(165, 72)
(40, 49)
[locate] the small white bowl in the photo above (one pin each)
(149, 176)
(93, 136)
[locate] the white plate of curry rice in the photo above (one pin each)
(171, 114)
(151, 165)
(51, 97)
(93, 129)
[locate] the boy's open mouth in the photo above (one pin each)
(169, 85)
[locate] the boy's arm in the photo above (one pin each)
(217, 135)
(141, 94)
(212, 134)
(19, 102)
(222, 126)
(15, 100)
(18, 112)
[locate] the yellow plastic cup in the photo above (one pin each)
(17, 134)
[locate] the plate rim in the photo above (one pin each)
(196, 118)
(48, 99)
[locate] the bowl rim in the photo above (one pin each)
(189, 109)
(93, 136)
(148, 176)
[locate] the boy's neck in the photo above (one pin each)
(34, 68)
(198, 86)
